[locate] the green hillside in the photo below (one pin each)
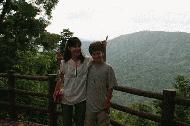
(150, 60)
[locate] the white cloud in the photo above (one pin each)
(94, 19)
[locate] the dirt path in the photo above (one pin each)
(7, 122)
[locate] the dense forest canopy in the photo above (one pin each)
(23, 26)
(150, 60)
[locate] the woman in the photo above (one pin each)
(73, 72)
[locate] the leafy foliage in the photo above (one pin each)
(149, 60)
(182, 113)
(132, 120)
(65, 35)
(182, 86)
(22, 31)
(48, 41)
(137, 121)
(22, 24)
(36, 63)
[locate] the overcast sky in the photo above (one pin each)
(95, 19)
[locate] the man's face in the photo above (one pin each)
(98, 56)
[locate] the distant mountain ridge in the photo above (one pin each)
(150, 60)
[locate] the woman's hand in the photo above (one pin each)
(59, 56)
(57, 91)
(57, 96)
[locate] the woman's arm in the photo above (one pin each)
(58, 87)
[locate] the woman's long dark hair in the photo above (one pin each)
(72, 42)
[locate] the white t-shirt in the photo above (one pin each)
(75, 75)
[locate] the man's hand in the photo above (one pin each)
(108, 99)
(104, 43)
(107, 104)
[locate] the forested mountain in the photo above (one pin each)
(150, 60)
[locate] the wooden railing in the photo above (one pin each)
(168, 98)
(13, 108)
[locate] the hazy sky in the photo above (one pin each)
(95, 19)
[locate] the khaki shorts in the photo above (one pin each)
(97, 119)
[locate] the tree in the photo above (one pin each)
(138, 121)
(132, 120)
(48, 41)
(22, 31)
(36, 63)
(22, 25)
(182, 85)
(44, 6)
(65, 35)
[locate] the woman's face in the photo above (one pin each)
(75, 51)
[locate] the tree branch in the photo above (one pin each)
(5, 10)
(1, 1)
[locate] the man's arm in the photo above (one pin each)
(108, 99)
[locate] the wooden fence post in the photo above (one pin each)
(168, 107)
(52, 106)
(12, 99)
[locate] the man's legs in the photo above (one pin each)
(90, 119)
(103, 119)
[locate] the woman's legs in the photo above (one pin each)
(80, 109)
(67, 114)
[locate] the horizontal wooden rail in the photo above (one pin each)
(31, 77)
(135, 112)
(179, 123)
(182, 101)
(139, 92)
(31, 93)
(3, 74)
(149, 94)
(22, 107)
(12, 91)
(167, 99)
(4, 89)
(115, 123)
(3, 103)
(27, 77)
(31, 108)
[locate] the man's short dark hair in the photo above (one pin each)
(96, 46)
